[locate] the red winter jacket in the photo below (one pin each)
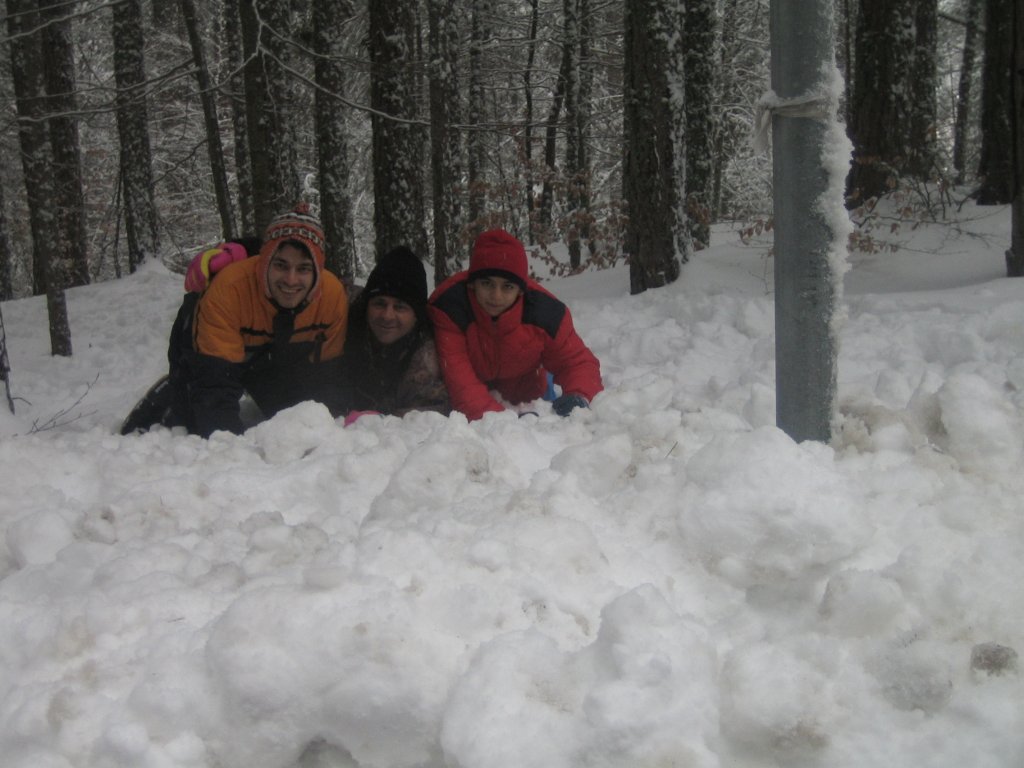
(512, 353)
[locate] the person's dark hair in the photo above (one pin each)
(251, 243)
(304, 247)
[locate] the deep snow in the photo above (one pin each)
(664, 580)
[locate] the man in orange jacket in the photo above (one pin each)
(271, 326)
(498, 330)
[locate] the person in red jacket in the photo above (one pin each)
(498, 331)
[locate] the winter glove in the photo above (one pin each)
(353, 416)
(565, 404)
(209, 262)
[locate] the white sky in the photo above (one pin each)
(665, 579)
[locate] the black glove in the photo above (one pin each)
(565, 404)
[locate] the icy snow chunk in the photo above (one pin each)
(294, 432)
(35, 758)
(648, 702)
(636, 696)
(597, 468)
(777, 699)
(861, 603)
(915, 676)
(982, 429)
(37, 538)
(350, 666)
(757, 507)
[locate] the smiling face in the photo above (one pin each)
(290, 276)
(494, 294)
(389, 319)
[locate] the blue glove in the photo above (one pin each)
(565, 404)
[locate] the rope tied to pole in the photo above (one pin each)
(816, 106)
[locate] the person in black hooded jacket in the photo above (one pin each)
(390, 364)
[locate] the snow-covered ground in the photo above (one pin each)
(664, 580)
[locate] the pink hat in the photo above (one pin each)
(498, 253)
(211, 261)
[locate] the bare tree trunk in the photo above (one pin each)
(996, 165)
(700, 44)
(6, 254)
(577, 84)
(269, 118)
(881, 97)
(5, 365)
(528, 117)
(922, 138)
(214, 148)
(398, 212)
(69, 203)
(720, 152)
(444, 138)
(28, 73)
(653, 123)
(476, 146)
(133, 130)
(330, 18)
(963, 95)
(1015, 256)
(235, 91)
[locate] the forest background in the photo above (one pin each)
(134, 130)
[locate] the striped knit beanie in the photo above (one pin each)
(299, 226)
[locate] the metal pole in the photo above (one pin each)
(805, 283)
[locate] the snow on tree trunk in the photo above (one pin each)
(476, 146)
(654, 126)
(214, 148)
(577, 97)
(28, 70)
(398, 211)
(68, 202)
(702, 56)
(235, 90)
(270, 118)
(444, 137)
(529, 174)
(330, 17)
(133, 131)
(963, 95)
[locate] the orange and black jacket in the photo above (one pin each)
(244, 342)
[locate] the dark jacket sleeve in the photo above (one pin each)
(575, 368)
(214, 391)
